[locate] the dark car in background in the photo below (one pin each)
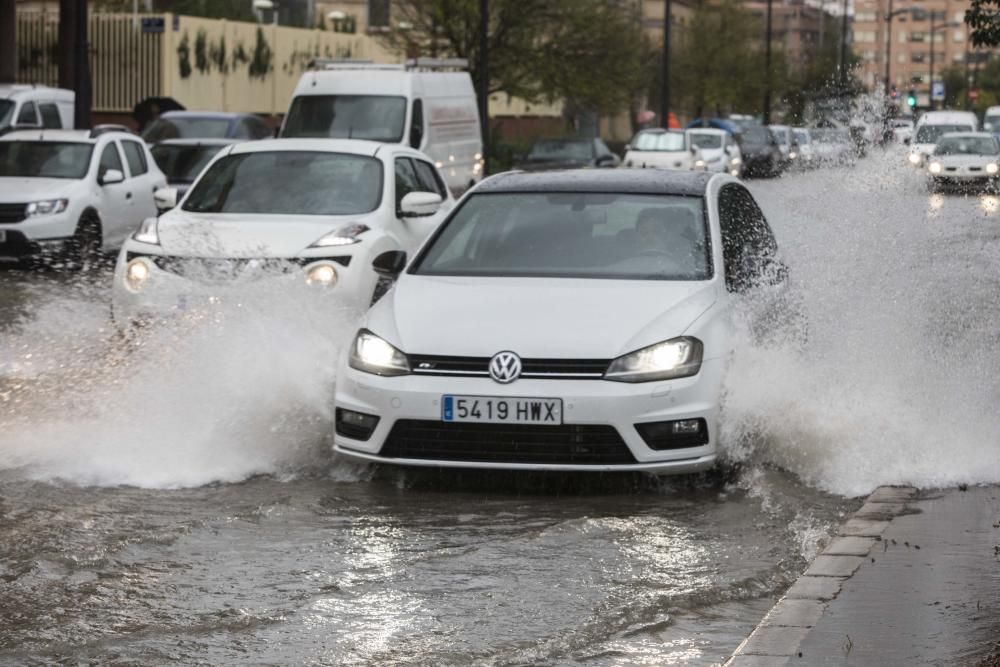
(546, 154)
(761, 154)
(181, 160)
(206, 125)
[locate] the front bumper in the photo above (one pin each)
(36, 237)
(409, 399)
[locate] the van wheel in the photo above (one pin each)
(84, 249)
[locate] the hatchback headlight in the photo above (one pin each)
(147, 232)
(992, 168)
(322, 273)
(347, 235)
(137, 274)
(915, 158)
(934, 168)
(46, 207)
(371, 354)
(671, 359)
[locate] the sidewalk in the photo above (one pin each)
(912, 579)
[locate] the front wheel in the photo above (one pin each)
(84, 248)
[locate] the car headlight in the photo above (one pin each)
(137, 274)
(371, 354)
(147, 232)
(347, 235)
(671, 359)
(792, 155)
(46, 207)
(699, 164)
(735, 161)
(934, 168)
(324, 273)
(915, 158)
(992, 168)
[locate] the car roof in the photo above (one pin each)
(966, 135)
(80, 136)
(632, 181)
(706, 130)
(220, 115)
(355, 146)
(198, 142)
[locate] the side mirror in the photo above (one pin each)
(605, 161)
(419, 204)
(694, 151)
(628, 147)
(111, 176)
(390, 263)
(165, 198)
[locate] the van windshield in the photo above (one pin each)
(373, 117)
(6, 112)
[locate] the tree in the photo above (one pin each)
(819, 78)
(590, 53)
(983, 18)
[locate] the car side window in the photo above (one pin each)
(417, 124)
(50, 116)
(243, 130)
(109, 160)
(259, 129)
(406, 179)
(28, 114)
(749, 249)
(136, 158)
(430, 180)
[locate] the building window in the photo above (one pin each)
(958, 37)
(958, 57)
(378, 13)
(864, 17)
(864, 36)
(918, 56)
(917, 36)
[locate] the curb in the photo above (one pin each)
(780, 633)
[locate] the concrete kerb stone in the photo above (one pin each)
(780, 633)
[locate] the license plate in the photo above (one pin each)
(501, 410)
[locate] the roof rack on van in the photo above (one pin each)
(437, 63)
(98, 130)
(349, 63)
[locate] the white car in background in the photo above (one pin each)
(965, 160)
(786, 143)
(566, 320)
(663, 149)
(902, 130)
(719, 150)
(931, 126)
(72, 194)
(315, 211)
(806, 150)
(25, 107)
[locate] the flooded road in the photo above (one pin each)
(175, 502)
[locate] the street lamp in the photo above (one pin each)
(933, 31)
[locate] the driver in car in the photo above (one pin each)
(667, 232)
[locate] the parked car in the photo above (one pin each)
(966, 161)
(785, 136)
(548, 154)
(806, 152)
(181, 160)
(991, 120)
(318, 208)
(719, 150)
(206, 125)
(663, 149)
(902, 130)
(71, 194)
(574, 320)
(833, 146)
(761, 154)
(426, 104)
(35, 107)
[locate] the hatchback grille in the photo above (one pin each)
(224, 269)
(506, 443)
(12, 213)
(547, 369)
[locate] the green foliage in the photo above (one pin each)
(240, 56)
(263, 57)
(588, 52)
(201, 51)
(217, 53)
(184, 56)
(819, 78)
(983, 19)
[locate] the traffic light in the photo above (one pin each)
(911, 98)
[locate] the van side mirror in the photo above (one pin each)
(111, 176)
(390, 263)
(605, 161)
(165, 198)
(419, 204)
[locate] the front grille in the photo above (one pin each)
(12, 213)
(547, 369)
(975, 168)
(506, 443)
(225, 269)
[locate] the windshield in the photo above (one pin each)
(658, 141)
(289, 182)
(966, 146)
(44, 159)
(993, 120)
(549, 149)
(702, 140)
(374, 117)
(187, 128)
(182, 163)
(755, 134)
(929, 134)
(6, 112)
(573, 235)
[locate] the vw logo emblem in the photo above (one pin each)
(505, 367)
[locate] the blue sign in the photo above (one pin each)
(937, 90)
(152, 24)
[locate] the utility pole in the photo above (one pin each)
(843, 50)
(931, 95)
(888, 49)
(8, 41)
(74, 58)
(665, 84)
(767, 67)
(484, 79)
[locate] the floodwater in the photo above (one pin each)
(173, 501)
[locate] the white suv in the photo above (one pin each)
(71, 194)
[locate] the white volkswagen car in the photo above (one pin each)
(964, 160)
(664, 149)
(559, 321)
(719, 150)
(318, 210)
(70, 194)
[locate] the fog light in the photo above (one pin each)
(136, 274)
(686, 426)
(355, 425)
(679, 434)
(321, 274)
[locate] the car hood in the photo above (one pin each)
(14, 189)
(660, 158)
(237, 235)
(537, 317)
(546, 165)
(924, 149)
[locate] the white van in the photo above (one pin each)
(991, 120)
(931, 125)
(426, 104)
(28, 107)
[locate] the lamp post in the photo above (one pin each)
(767, 68)
(888, 43)
(665, 84)
(933, 31)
